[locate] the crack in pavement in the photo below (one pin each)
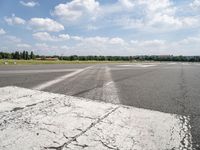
(17, 112)
(64, 145)
(24, 96)
(106, 145)
(63, 122)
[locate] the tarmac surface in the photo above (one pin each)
(172, 88)
(38, 120)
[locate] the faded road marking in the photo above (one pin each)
(110, 93)
(138, 65)
(59, 79)
(35, 71)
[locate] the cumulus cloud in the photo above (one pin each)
(13, 20)
(74, 10)
(76, 38)
(44, 36)
(2, 31)
(45, 24)
(189, 40)
(99, 45)
(23, 45)
(145, 15)
(41, 45)
(149, 15)
(195, 4)
(29, 4)
(117, 40)
(172, 21)
(45, 49)
(162, 14)
(148, 43)
(104, 23)
(127, 3)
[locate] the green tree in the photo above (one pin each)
(16, 55)
(26, 55)
(23, 55)
(32, 56)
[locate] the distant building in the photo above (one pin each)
(48, 58)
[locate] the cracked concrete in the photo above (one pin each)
(31, 119)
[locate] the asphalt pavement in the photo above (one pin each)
(172, 88)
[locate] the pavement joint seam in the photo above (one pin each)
(64, 145)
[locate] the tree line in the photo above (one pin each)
(17, 55)
(25, 55)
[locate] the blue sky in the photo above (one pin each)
(101, 27)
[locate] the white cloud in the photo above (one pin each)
(100, 40)
(127, 3)
(64, 37)
(96, 40)
(129, 23)
(147, 44)
(23, 45)
(172, 21)
(29, 4)
(44, 36)
(77, 38)
(12, 38)
(165, 6)
(64, 47)
(91, 27)
(195, 4)
(42, 45)
(153, 43)
(98, 45)
(84, 46)
(151, 15)
(13, 20)
(114, 46)
(74, 10)
(117, 40)
(2, 31)
(46, 49)
(190, 40)
(149, 47)
(145, 15)
(45, 24)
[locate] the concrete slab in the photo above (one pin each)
(31, 119)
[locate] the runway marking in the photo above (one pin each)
(172, 63)
(59, 79)
(110, 93)
(138, 65)
(35, 71)
(106, 91)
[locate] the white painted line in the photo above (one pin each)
(146, 66)
(35, 71)
(59, 79)
(172, 63)
(107, 90)
(126, 68)
(110, 93)
(138, 65)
